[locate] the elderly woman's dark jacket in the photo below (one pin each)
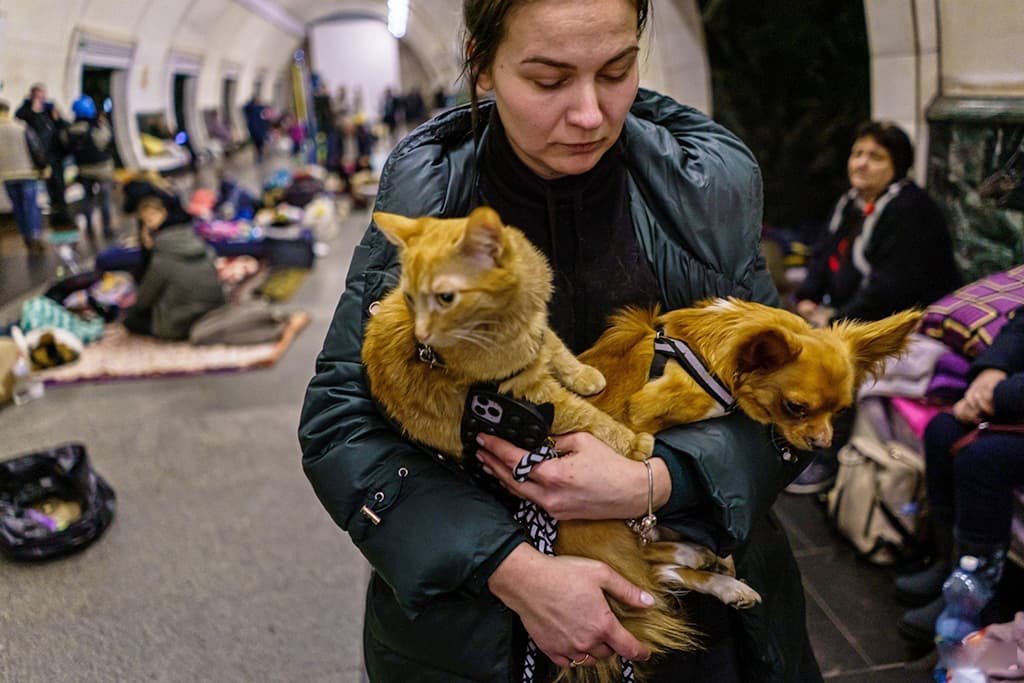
(695, 202)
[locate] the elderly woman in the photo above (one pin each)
(887, 248)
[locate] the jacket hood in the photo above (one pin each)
(178, 240)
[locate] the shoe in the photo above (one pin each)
(817, 477)
(917, 626)
(922, 587)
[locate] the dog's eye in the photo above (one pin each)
(445, 298)
(796, 409)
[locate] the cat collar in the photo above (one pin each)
(666, 348)
(429, 356)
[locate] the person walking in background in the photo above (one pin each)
(887, 248)
(89, 141)
(20, 176)
(42, 116)
(256, 123)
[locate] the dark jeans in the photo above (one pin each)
(97, 195)
(23, 205)
(978, 482)
(59, 216)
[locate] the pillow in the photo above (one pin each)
(968, 319)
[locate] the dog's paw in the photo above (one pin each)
(693, 556)
(737, 594)
(588, 381)
(726, 566)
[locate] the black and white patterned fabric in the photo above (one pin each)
(542, 529)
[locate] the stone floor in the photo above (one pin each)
(222, 566)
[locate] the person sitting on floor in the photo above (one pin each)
(179, 282)
(971, 491)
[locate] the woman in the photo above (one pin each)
(635, 199)
(970, 493)
(179, 283)
(887, 248)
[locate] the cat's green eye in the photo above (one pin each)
(796, 409)
(446, 298)
(408, 299)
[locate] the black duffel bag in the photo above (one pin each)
(52, 503)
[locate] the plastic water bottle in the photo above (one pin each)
(26, 387)
(966, 593)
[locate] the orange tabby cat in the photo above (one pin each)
(475, 292)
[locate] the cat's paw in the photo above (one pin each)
(587, 382)
(642, 447)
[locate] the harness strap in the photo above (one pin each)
(542, 529)
(666, 348)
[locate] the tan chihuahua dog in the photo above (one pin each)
(778, 370)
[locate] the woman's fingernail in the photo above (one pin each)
(646, 598)
(488, 470)
(480, 456)
(480, 439)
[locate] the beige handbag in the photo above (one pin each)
(878, 502)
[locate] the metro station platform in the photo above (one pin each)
(221, 565)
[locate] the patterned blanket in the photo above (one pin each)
(120, 355)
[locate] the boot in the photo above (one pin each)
(922, 587)
(917, 626)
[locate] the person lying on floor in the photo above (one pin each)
(179, 282)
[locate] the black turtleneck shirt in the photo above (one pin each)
(583, 225)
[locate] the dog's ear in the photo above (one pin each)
(872, 343)
(766, 349)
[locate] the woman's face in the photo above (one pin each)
(870, 168)
(564, 78)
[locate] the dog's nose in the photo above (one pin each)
(821, 440)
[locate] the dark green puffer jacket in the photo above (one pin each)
(695, 197)
(180, 284)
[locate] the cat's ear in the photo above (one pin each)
(398, 229)
(483, 241)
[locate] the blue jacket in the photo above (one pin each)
(695, 200)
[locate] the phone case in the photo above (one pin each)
(519, 422)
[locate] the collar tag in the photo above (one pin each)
(428, 356)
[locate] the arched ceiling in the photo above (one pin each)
(432, 33)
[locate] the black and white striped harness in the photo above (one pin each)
(667, 348)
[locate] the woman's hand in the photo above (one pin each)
(561, 602)
(805, 307)
(816, 314)
(963, 412)
(590, 481)
(980, 393)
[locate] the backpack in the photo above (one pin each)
(36, 149)
(878, 502)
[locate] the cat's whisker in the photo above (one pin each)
(472, 339)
